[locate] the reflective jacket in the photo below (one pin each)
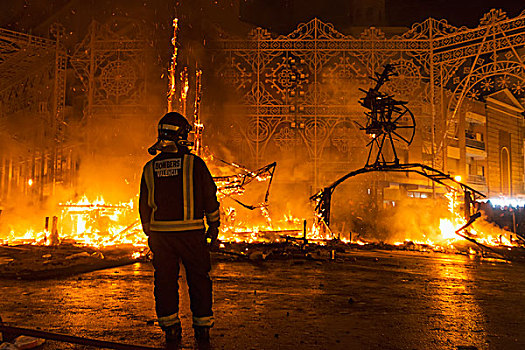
(176, 191)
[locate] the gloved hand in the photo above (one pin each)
(211, 236)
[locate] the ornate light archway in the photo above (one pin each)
(312, 75)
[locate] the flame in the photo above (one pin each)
(172, 80)
(184, 90)
(272, 230)
(92, 223)
(184, 79)
(97, 223)
(449, 226)
(100, 224)
(197, 124)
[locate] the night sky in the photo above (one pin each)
(284, 15)
(281, 16)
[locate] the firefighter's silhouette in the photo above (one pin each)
(176, 193)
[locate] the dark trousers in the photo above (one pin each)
(189, 247)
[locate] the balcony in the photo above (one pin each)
(474, 148)
(475, 144)
(475, 118)
(477, 179)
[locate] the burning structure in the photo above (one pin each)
(299, 99)
(265, 98)
(78, 110)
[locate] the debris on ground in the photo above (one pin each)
(24, 342)
(35, 262)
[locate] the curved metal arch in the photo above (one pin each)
(469, 84)
(323, 198)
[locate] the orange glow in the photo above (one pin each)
(172, 81)
(449, 226)
(184, 90)
(197, 124)
(184, 79)
(96, 223)
(90, 223)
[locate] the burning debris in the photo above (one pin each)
(90, 223)
(91, 231)
(92, 235)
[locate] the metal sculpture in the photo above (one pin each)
(323, 198)
(383, 121)
(387, 120)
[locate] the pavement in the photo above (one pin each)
(368, 300)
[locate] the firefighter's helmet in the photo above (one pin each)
(172, 134)
(173, 127)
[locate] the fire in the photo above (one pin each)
(100, 224)
(197, 124)
(173, 68)
(448, 229)
(31, 236)
(185, 88)
(93, 223)
(234, 229)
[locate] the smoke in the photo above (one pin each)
(414, 219)
(107, 153)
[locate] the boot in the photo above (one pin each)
(173, 333)
(202, 334)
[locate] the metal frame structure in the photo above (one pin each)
(112, 69)
(382, 123)
(323, 198)
(32, 95)
(309, 78)
(387, 120)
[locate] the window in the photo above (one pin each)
(505, 182)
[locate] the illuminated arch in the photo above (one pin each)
(465, 87)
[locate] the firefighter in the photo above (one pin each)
(176, 192)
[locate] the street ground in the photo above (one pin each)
(368, 300)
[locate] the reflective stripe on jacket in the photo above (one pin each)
(176, 191)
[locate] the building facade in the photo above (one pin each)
(296, 99)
